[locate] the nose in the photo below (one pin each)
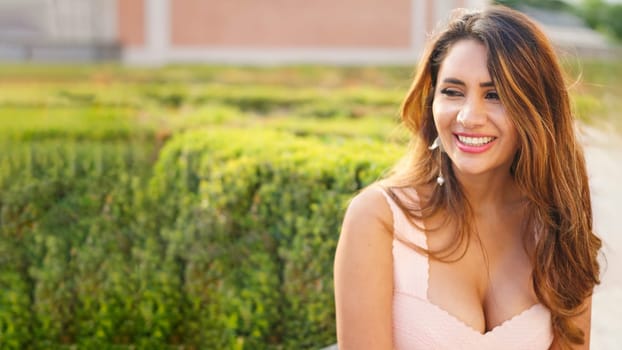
(472, 114)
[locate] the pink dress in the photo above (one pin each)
(420, 324)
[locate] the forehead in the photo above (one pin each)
(466, 60)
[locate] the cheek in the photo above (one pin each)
(435, 115)
(442, 113)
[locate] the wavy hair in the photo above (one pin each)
(549, 166)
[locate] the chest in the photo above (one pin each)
(485, 279)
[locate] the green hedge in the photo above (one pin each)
(72, 124)
(227, 241)
(55, 215)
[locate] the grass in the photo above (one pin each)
(113, 101)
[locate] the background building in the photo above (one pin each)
(231, 31)
(269, 31)
(59, 30)
(236, 31)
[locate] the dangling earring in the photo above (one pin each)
(440, 180)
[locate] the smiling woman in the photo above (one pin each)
(469, 116)
(481, 238)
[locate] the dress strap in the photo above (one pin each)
(410, 268)
(402, 226)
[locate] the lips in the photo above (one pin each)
(474, 143)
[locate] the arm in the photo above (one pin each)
(364, 275)
(584, 322)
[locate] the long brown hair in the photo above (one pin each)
(549, 167)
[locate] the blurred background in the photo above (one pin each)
(246, 31)
(173, 173)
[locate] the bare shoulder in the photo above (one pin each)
(364, 274)
(367, 227)
(369, 207)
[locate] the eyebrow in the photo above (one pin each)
(460, 82)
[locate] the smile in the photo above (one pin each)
(474, 144)
(475, 141)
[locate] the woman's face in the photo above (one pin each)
(475, 130)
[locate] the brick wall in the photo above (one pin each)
(291, 23)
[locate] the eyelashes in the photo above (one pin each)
(451, 92)
(491, 95)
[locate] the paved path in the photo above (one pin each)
(603, 152)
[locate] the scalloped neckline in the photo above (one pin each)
(501, 325)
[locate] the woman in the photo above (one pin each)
(482, 237)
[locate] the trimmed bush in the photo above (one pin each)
(227, 242)
(53, 194)
(262, 212)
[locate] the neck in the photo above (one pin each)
(488, 192)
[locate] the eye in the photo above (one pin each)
(451, 92)
(492, 95)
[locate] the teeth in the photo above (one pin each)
(475, 141)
